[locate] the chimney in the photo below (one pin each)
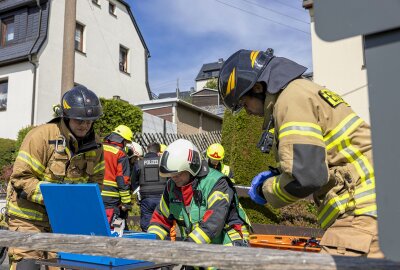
(220, 60)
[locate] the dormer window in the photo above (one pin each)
(7, 31)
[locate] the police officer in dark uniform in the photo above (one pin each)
(151, 184)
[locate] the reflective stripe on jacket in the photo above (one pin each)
(39, 162)
(324, 149)
(116, 184)
(207, 219)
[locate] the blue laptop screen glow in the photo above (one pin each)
(75, 209)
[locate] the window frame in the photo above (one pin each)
(112, 8)
(123, 67)
(96, 2)
(4, 26)
(4, 80)
(81, 48)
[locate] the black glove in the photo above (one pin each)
(126, 207)
(21, 194)
(240, 243)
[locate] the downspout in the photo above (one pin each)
(35, 64)
(146, 59)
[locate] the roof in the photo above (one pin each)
(7, 5)
(21, 50)
(128, 7)
(209, 70)
(25, 43)
(157, 103)
(182, 94)
(207, 91)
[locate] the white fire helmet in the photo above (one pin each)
(134, 149)
(181, 155)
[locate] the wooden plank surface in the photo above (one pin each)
(188, 253)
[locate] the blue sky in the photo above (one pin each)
(182, 35)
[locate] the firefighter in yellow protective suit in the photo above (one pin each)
(323, 148)
(215, 155)
(65, 150)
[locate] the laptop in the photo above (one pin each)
(79, 209)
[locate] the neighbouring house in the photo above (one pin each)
(209, 100)
(176, 94)
(110, 57)
(340, 66)
(208, 72)
(189, 119)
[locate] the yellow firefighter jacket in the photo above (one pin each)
(323, 149)
(47, 155)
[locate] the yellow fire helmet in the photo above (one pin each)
(125, 132)
(162, 148)
(216, 151)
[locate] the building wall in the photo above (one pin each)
(340, 67)
(19, 97)
(211, 124)
(163, 112)
(48, 90)
(206, 98)
(154, 124)
(98, 68)
(188, 121)
(200, 84)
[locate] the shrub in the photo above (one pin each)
(21, 136)
(7, 149)
(240, 135)
(5, 173)
(118, 112)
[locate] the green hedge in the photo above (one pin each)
(118, 112)
(240, 135)
(21, 136)
(7, 149)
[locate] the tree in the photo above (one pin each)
(212, 84)
(118, 112)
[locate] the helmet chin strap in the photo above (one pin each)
(267, 137)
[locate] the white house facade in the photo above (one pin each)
(340, 66)
(110, 57)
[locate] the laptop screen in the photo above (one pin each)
(75, 209)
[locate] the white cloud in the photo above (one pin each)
(205, 30)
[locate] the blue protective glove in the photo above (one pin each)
(256, 183)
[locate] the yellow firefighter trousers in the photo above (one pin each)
(15, 255)
(352, 236)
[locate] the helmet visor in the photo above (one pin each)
(164, 170)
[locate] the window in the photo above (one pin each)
(3, 95)
(111, 8)
(123, 59)
(79, 28)
(7, 31)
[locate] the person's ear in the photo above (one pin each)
(258, 88)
